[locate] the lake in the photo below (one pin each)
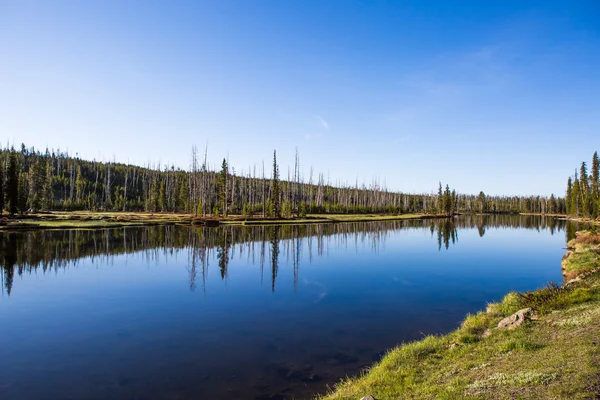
(255, 312)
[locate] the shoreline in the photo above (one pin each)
(548, 350)
(118, 219)
(100, 220)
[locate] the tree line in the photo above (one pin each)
(583, 191)
(31, 180)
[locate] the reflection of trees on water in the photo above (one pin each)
(446, 232)
(274, 256)
(27, 252)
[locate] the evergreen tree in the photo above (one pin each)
(552, 204)
(276, 200)
(595, 185)
(584, 190)
(447, 201)
(48, 199)
(36, 184)
(12, 184)
(575, 201)
(454, 202)
(440, 200)
(569, 198)
(22, 193)
(482, 203)
(222, 184)
(79, 185)
(1, 185)
(162, 197)
(183, 195)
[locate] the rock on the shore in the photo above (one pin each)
(517, 319)
(369, 397)
(576, 279)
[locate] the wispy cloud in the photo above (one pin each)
(402, 139)
(321, 121)
(323, 127)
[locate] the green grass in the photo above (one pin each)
(555, 356)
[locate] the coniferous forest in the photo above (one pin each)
(583, 191)
(31, 180)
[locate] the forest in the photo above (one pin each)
(583, 191)
(34, 181)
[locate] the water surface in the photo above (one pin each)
(246, 312)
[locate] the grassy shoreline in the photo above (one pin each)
(95, 220)
(555, 355)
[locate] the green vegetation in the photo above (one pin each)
(34, 181)
(583, 255)
(555, 354)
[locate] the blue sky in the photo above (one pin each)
(502, 98)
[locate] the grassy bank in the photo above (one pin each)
(583, 255)
(554, 355)
(91, 220)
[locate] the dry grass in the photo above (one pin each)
(100, 219)
(587, 238)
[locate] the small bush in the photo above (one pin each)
(579, 295)
(544, 300)
(554, 297)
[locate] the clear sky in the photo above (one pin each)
(498, 96)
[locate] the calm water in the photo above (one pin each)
(246, 312)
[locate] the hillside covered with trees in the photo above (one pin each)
(31, 180)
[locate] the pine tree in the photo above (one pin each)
(569, 198)
(575, 201)
(595, 185)
(1, 185)
(447, 201)
(222, 185)
(22, 193)
(79, 185)
(454, 202)
(584, 189)
(482, 203)
(440, 200)
(552, 204)
(162, 197)
(276, 197)
(12, 184)
(36, 184)
(183, 195)
(48, 199)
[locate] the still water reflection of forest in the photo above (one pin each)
(247, 311)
